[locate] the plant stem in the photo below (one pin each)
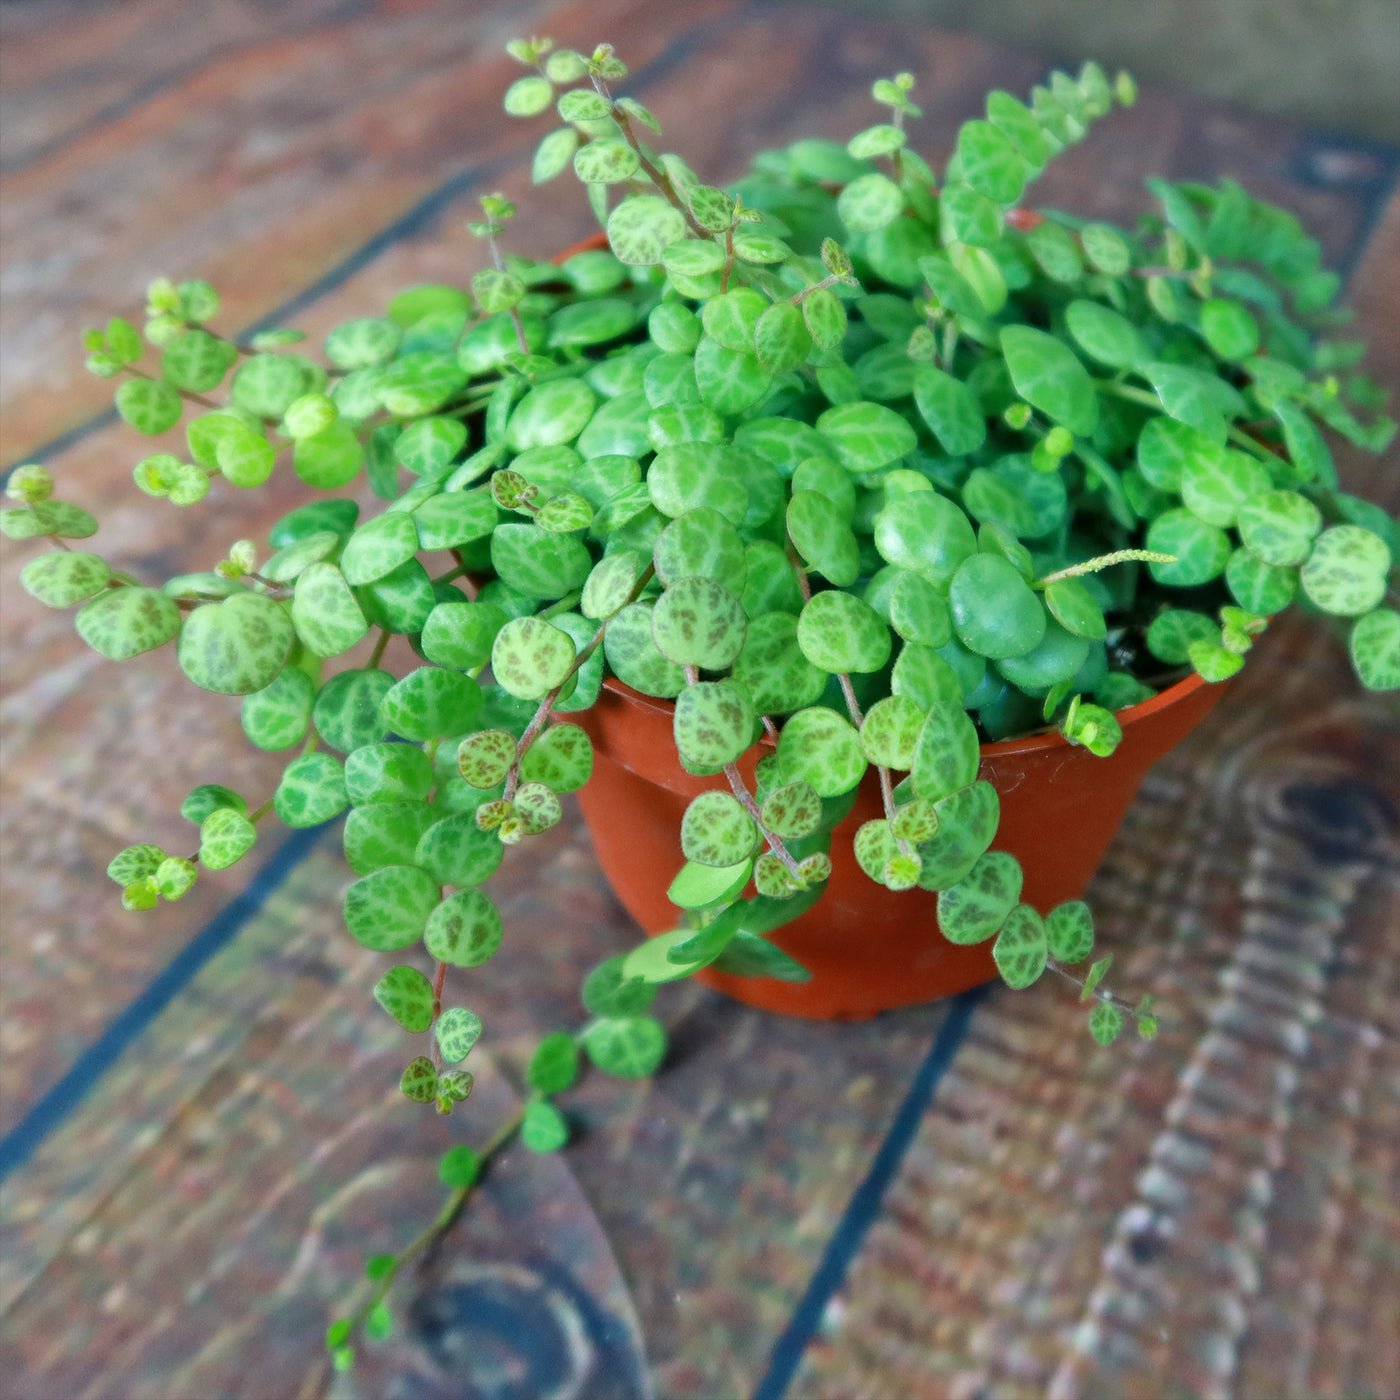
(658, 177)
(188, 394)
(1149, 400)
(435, 1050)
(541, 715)
(1099, 993)
(442, 1223)
(747, 801)
(377, 655)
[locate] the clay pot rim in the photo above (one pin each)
(1004, 748)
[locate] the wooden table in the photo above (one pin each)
(202, 1137)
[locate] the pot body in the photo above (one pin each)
(868, 948)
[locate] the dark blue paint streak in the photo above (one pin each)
(20, 1143)
(864, 1207)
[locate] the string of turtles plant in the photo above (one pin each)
(875, 463)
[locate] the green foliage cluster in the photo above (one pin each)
(862, 455)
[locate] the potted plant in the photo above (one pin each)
(849, 528)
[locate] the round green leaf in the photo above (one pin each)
(276, 716)
(773, 668)
(389, 909)
(976, 907)
(927, 534)
(866, 436)
(1075, 609)
(819, 747)
(1229, 329)
(1058, 656)
(967, 825)
(730, 381)
(630, 1048)
(951, 409)
(1048, 376)
(460, 635)
(698, 622)
(407, 996)
(701, 543)
(378, 547)
(792, 811)
(1021, 949)
(889, 735)
(1346, 572)
(1069, 930)
(713, 725)
(695, 475)
(457, 1030)
(822, 532)
(1171, 634)
(1201, 550)
(1375, 649)
(995, 613)
(969, 217)
(543, 1128)
(267, 385)
(1106, 336)
(781, 338)
(209, 797)
(346, 710)
(387, 773)
(946, 754)
(716, 831)
(539, 563)
(455, 851)
(65, 577)
(236, 646)
(641, 228)
(1260, 588)
(840, 633)
(312, 791)
(225, 837)
(530, 657)
(633, 656)
(554, 412)
(420, 382)
(484, 759)
(1054, 249)
(124, 622)
(329, 459)
(925, 677)
(870, 202)
(150, 406)
(1278, 526)
(325, 613)
(1195, 397)
(990, 163)
(918, 612)
(429, 703)
(386, 833)
(366, 341)
(464, 930)
(1214, 486)
(561, 757)
(196, 360)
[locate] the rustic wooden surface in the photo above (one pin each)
(192, 1179)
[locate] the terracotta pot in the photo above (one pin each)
(868, 948)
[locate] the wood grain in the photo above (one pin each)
(206, 1201)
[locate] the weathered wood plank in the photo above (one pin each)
(758, 1130)
(260, 170)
